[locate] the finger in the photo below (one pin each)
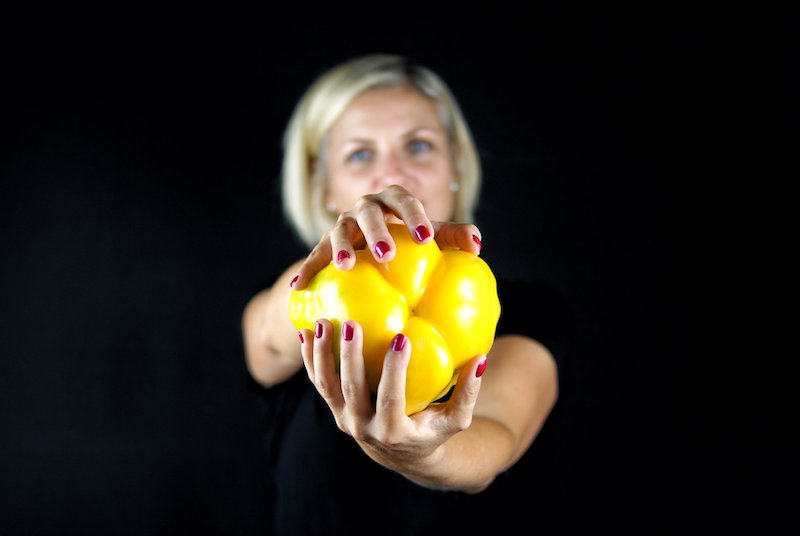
(369, 213)
(463, 236)
(326, 379)
(462, 404)
(391, 398)
(409, 209)
(355, 389)
(343, 239)
(306, 337)
(319, 258)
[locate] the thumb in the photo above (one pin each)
(462, 403)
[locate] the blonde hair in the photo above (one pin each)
(304, 170)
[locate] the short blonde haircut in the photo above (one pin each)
(304, 141)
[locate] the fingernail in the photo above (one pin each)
(300, 334)
(347, 331)
(342, 256)
(294, 280)
(422, 233)
(481, 368)
(381, 248)
(398, 342)
(318, 330)
(477, 241)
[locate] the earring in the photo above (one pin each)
(454, 186)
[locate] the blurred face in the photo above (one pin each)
(388, 136)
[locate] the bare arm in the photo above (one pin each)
(271, 343)
(488, 423)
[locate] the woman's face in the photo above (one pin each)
(388, 136)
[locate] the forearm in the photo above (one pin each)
(268, 366)
(270, 341)
(469, 461)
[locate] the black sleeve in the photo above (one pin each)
(537, 310)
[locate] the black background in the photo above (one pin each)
(139, 211)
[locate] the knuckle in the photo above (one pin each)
(409, 199)
(344, 219)
(339, 229)
(324, 388)
(364, 203)
(341, 424)
(459, 419)
(409, 202)
(317, 251)
(387, 437)
(396, 190)
(471, 391)
(349, 389)
(463, 421)
(359, 433)
(389, 401)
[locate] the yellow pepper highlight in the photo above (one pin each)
(444, 301)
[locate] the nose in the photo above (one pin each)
(392, 170)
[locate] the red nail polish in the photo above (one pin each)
(422, 232)
(318, 330)
(477, 241)
(381, 248)
(481, 368)
(347, 332)
(399, 342)
(294, 280)
(300, 334)
(342, 256)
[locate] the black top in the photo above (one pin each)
(323, 483)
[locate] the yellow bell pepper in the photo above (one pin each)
(444, 301)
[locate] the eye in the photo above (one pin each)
(419, 146)
(360, 155)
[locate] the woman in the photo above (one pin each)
(376, 140)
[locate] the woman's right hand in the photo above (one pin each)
(366, 225)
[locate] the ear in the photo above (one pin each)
(330, 204)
